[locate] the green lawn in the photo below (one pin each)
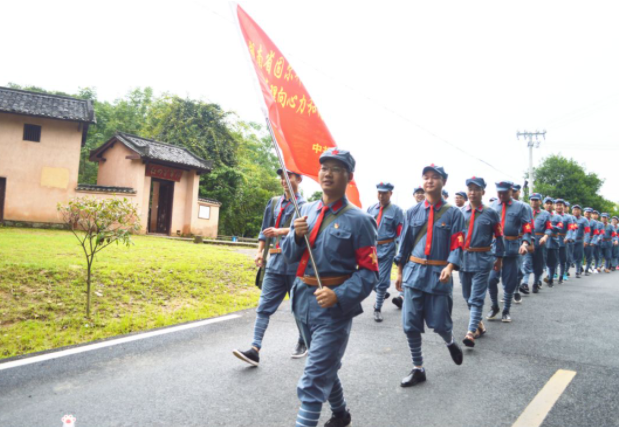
(154, 283)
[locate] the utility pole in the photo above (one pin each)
(532, 141)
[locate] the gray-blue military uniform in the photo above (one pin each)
(535, 261)
(481, 226)
(563, 234)
(581, 234)
(552, 246)
(426, 299)
(606, 242)
(615, 250)
(597, 228)
(389, 220)
(516, 223)
(346, 259)
(592, 241)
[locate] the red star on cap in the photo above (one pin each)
(432, 165)
(473, 178)
(335, 152)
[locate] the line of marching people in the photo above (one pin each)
(353, 252)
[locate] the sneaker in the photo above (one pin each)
(341, 421)
(550, 284)
(535, 288)
(560, 282)
(506, 318)
(378, 317)
(517, 298)
(456, 353)
(398, 301)
(566, 277)
(493, 313)
(299, 351)
(416, 376)
(250, 356)
(524, 288)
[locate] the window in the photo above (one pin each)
(204, 212)
(32, 133)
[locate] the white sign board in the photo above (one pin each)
(204, 212)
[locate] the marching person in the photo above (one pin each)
(445, 194)
(430, 250)
(534, 260)
(615, 252)
(563, 235)
(279, 275)
(570, 241)
(420, 196)
(343, 239)
(481, 225)
(552, 246)
(597, 227)
(521, 258)
(460, 199)
(389, 220)
(581, 236)
(515, 219)
(606, 242)
(593, 240)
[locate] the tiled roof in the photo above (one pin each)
(156, 150)
(212, 201)
(45, 105)
(105, 189)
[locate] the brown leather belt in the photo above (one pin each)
(275, 251)
(326, 281)
(562, 234)
(484, 249)
(427, 261)
(511, 237)
(384, 242)
(540, 234)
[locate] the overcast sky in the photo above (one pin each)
(400, 84)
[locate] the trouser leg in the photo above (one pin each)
(509, 278)
(274, 290)
(562, 261)
(578, 256)
(479, 286)
(493, 288)
(384, 281)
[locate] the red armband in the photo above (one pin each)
(548, 225)
(587, 229)
(498, 230)
(560, 225)
(457, 240)
(614, 234)
(367, 258)
(398, 230)
(526, 228)
(596, 232)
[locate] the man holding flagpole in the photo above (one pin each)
(343, 240)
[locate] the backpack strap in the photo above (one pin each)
(328, 220)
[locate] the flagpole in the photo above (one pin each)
(293, 197)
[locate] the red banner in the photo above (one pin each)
(163, 172)
(300, 132)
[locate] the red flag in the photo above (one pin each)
(300, 132)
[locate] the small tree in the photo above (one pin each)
(97, 224)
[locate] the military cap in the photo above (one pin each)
(445, 193)
(504, 185)
(476, 181)
(596, 212)
(280, 170)
(548, 199)
(577, 206)
(588, 210)
(616, 217)
(418, 189)
(462, 194)
(567, 204)
(341, 155)
(385, 186)
(516, 187)
(535, 196)
(492, 199)
(438, 169)
(560, 201)
(604, 215)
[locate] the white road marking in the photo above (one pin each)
(540, 406)
(112, 342)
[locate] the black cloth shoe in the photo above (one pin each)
(493, 313)
(299, 351)
(250, 356)
(550, 284)
(341, 421)
(517, 298)
(506, 318)
(397, 301)
(378, 317)
(535, 288)
(387, 295)
(578, 275)
(539, 284)
(587, 273)
(524, 288)
(456, 353)
(415, 377)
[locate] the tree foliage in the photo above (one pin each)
(564, 178)
(97, 224)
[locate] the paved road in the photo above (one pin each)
(190, 378)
